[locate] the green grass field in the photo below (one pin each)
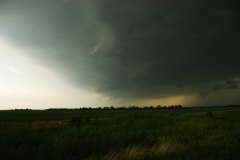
(127, 134)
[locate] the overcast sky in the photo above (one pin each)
(75, 53)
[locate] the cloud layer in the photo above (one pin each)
(131, 49)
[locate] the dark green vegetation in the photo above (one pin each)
(149, 134)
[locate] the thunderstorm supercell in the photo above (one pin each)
(119, 52)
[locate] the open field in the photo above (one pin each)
(129, 134)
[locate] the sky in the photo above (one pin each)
(82, 53)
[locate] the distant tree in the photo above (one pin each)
(122, 108)
(106, 108)
(178, 106)
(159, 106)
(133, 107)
(112, 107)
(151, 107)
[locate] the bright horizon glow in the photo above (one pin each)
(185, 100)
(26, 84)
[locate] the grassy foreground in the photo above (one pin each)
(133, 134)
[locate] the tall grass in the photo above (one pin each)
(121, 134)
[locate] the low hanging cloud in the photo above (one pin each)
(232, 84)
(131, 49)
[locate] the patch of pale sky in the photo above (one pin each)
(25, 83)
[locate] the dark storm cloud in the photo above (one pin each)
(131, 48)
(232, 84)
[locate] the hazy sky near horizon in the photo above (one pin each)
(75, 53)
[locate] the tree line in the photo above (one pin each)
(122, 108)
